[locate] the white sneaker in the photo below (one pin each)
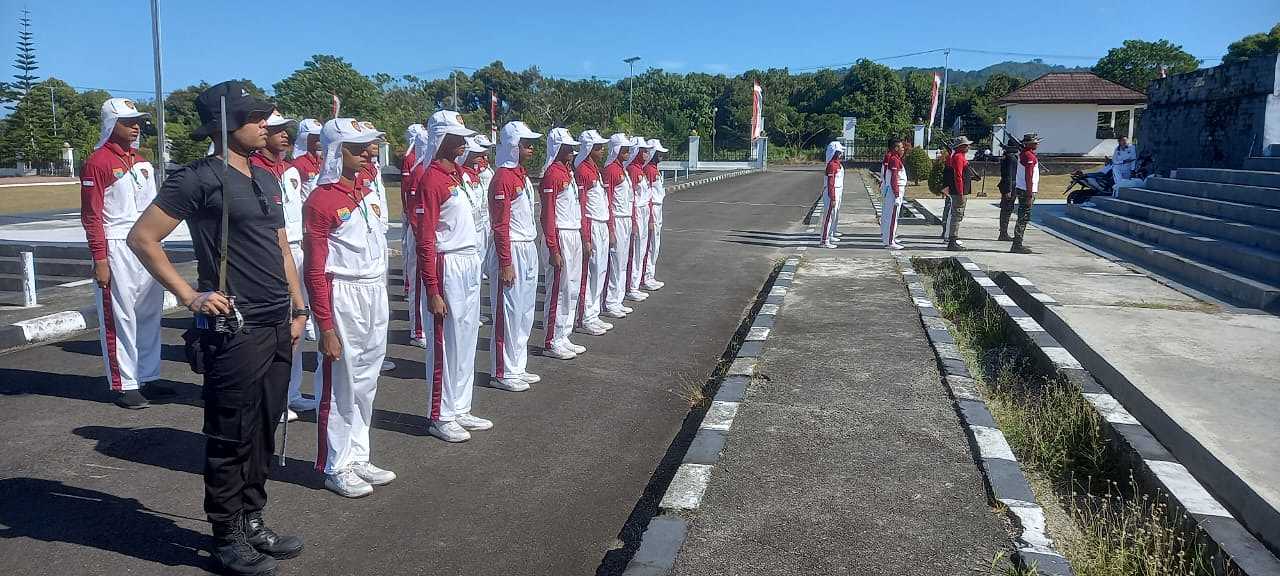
(827, 245)
(304, 404)
(895, 246)
(839, 234)
(604, 325)
(509, 384)
(637, 296)
(652, 285)
(530, 377)
(473, 422)
(347, 484)
(448, 431)
(959, 243)
(419, 342)
(388, 365)
(627, 309)
(374, 475)
(577, 349)
(591, 329)
(559, 353)
(290, 414)
(614, 313)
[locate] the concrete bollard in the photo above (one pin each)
(28, 279)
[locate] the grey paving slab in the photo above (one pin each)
(849, 459)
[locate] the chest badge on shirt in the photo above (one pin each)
(377, 210)
(294, 182)
(145, 173)
(453, 191)
(117, 172)
(344, 214)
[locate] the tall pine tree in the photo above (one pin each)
(25, 62)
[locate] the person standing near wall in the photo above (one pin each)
(117, 184)
(1025, 188)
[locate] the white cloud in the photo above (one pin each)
(672, 64)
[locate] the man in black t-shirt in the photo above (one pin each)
(246, 371)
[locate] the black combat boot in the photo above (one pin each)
(266, 541)
(1018, 248)
(233, 553)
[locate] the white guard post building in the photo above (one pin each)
(1077, 114)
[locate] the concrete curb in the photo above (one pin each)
(662, 539)
(63, 324)
(1004, 478)
(1150, 459)
(57, 326)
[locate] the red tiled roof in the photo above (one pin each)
(1072, 88)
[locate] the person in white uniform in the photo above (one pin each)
(893, 186)
(561, 217)
(513, 277)
(345, 273)
(639, 217)
(117, 184)
(449, 258)
(475, 165)
(618, 186)
(1123, 163)
(597, 231)
(657, 194)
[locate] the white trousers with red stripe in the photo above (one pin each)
(639, 248)
(129, 320)
(889, 212)
(560, 308)
(830, 217)
(655, 243)
(594, 272)
(452, 337)
(413, 288)
(347, 385)
(295, 373)
(513, 308)
(619, 263)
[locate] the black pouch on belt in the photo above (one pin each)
(194, 352)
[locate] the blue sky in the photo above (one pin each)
(107, 44)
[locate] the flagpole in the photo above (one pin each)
(161, 157)
(946, 67)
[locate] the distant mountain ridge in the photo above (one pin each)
(1029, 70)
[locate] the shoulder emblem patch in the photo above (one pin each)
(377, 210)
(145, 173)
(344, 214)
(87, 183)
(453, 191)
(294, 182)
(117, 172)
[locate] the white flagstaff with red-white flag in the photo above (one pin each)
(933, 103)
(337, 104)
(757, 107)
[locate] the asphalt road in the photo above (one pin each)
(88, 488)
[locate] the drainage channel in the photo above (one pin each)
(615, 561)
(1114, 500)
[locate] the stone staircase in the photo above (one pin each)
(1212, 229)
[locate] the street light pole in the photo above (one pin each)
(161, 157)
(714, 111)
(53, 106)
(631, 91)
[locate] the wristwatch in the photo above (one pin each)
(301, 313)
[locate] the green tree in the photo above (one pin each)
(308, 92)
(30, 131)
(919, 165)
(1137, 63)
(1259, 44)
(877, 96)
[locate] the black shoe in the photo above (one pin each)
(233, 553)
(1018, 248)
(132, 399)
(267, 541)
(154, 390)
(953, 247)
(1004, 237)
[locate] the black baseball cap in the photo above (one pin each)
(240, 106)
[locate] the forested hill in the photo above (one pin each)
(1029, 70)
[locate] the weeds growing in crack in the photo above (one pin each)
(1119, 527)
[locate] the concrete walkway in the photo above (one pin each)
(1203, 376)
(846, 456)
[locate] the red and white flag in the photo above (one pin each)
(933, 104)
(757, 107)
(493, 116)
(337, 104)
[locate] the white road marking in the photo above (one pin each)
(687, 487)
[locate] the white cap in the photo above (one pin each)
(638, 144)
(832, 148)
(617, 142)
(556, 138)
(114, 109)
(440, 124)
(588, 140)
(276, 119)
(656, 144)
(509, 143)
(483, 140)
(369, 126)
(473, 147)
(333, 135)
(305, 128)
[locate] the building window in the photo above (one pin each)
(1105, 130)
(1122, 123)
(1137, 122)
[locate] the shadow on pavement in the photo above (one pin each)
(50, 511)
(17, 382)
(182, 451)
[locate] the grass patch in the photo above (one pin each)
(1110, 525)
(1196, 306)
